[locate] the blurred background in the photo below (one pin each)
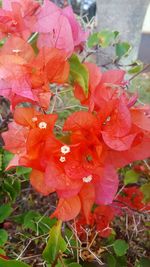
(130, 17)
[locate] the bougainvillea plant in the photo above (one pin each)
(42, 55)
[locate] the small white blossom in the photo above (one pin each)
(62, 159)
(16, 51)
(42, 125)
(34, 119)
(65, 149)
(87, 179)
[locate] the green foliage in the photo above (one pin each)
(141, 85)
(5, 211)
(12, 263)
(144, 262)
(3, 237)
(34, 221)
(12, 188)
(123, 49)
(137, 66)
(111, 261)
(2, 252)
(121, 261)
(120, 247)
(79, 73)
(107, 38)
(131, 177)
(69, 236)
(104, 38)
(22, 171)
(74, 264)
(56, 244)
(93, 40)
(7, 156)
(146, 191)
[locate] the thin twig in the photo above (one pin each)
(145, 68)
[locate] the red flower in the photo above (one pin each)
(103, 216)
(131, 197)
(32, 129)
(99, 221)
(103, 87)
(18, 17)
(26, 77)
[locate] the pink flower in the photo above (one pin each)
(59, 28)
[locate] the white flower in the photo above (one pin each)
(42, 125)
(16, 51)
(87, 179)
(65, 149)
(62, 159)
(34, 119)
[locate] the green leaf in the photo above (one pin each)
(2, 252)
(23, 170)
(123, 49)
(121, 261)
(120, 247)
(10, 190)
(93, 40)
(79, 73)
(5, 211)
(45, 224)
(106, 38)
(144, 262)
(1, 159)
(72, 241)
(131, 177)
(35, 221)
(111, 261)
(12, 263)
(146, 191)
(56, 244)
(66, 264)
(7, 156)
(17, 186)
(30, 219)
(137, 66)
(74, 264)
(3, 237)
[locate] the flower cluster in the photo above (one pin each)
(81, 166)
